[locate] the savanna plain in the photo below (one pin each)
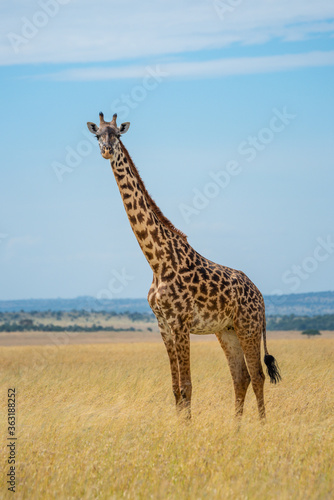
(97, 420)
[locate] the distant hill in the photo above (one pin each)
(300, 304)
(85, 303)
(303, 304)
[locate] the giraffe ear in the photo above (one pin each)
(124, 127)
(92, 127)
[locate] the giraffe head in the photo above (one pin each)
(108, 134)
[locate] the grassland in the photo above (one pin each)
(98, 421)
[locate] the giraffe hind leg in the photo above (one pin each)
(251, 346)
(236, 361)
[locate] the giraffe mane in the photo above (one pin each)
(161, 217)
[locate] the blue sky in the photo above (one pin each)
(231, 111)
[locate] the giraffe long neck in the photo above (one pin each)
(154, 232)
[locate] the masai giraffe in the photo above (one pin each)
(189, 293)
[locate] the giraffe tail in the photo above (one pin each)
(270, 362)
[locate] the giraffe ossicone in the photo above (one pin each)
(189, 293)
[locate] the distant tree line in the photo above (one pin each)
(38, 327)
(23, 321)
(47, 321)
(292, 322)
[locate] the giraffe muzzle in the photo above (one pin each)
(107, 153)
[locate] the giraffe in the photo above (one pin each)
(189, 293)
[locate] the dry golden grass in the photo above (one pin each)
(98, 421)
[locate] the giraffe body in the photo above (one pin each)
(189, 293)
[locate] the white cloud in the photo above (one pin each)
(23, 242)
(21, 245)
(202, 69)
(86, 32)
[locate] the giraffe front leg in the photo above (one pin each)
(182, 344)
(166, 335)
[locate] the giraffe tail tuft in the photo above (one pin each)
(272, 369)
